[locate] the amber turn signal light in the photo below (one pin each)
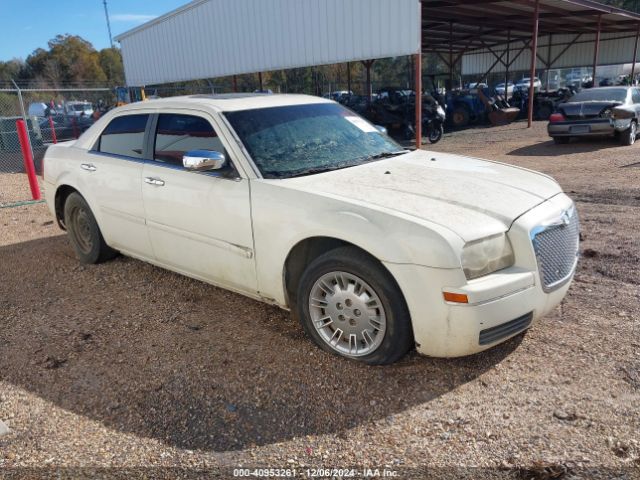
(455, 297)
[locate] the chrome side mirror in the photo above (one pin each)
(203, 160)
(381, 129)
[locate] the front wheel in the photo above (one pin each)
(84, 233)
(628, 137)
(435, 133)
(351, 306)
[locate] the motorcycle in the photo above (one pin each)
(433, 118)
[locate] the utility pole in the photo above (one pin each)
(106, 14)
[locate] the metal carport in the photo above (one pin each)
(502, 33)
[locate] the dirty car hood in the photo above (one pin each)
(471, 197)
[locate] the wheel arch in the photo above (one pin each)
(307, 250)
(62, 193)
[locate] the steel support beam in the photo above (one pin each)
(506, 67)
(368, 92)
(534, 56)
(596, 52)
(349, 77)
(635, 56)
(418, 84)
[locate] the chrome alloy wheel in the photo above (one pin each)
(347, 314)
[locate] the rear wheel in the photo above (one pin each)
(352, 307)
(561, 140)
(84, 233)
(628, 137)
(460, 117)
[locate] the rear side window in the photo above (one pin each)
(124, 136)
(635, 95)
(177, 134)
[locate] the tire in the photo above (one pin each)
(435, 135)
(84, 233)
(628, 137)
(561, 140)
(346, 290)
(460, 117)
(544, 112)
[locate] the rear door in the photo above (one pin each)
(199, 222)
(113, 171)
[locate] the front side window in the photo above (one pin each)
(635, 95)
(300, 140)
(177, 134)
(124, 136)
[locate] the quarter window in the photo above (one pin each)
(178, 134)
(124, 136)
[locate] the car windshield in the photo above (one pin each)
(298, 140)
(81, 107)
(601, 95)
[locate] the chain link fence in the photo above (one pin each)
(51, 115)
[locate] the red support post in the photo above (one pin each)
(235, 83)
(54, 139)
(418, 79)
(596, 52)
(635, 57)
(534, 54)
(29, 167)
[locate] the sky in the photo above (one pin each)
(26, 25)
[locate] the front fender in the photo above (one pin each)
(282, 218)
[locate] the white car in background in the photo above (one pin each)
(296, 201)
(78, 109)
(500, 88)
(525, 83)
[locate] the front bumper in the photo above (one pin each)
(587, 128)
(500, 306)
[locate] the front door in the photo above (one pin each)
(199, 223)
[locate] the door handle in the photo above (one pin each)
(154, 181)
(89, 167)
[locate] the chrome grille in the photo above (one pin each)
(556, 248)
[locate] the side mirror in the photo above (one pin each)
(381, 129)
(203, 160)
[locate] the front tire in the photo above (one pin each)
(84, 233)
(351, 306)
(436, 133)
(628, 137)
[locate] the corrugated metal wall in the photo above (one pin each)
(614, 49)
(215, 38)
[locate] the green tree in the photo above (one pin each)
(69, 60)
(110, 60)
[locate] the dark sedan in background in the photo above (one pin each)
(608, 111)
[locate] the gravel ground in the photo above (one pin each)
(140, 372)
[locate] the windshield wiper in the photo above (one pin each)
(380, 156)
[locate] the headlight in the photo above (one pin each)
(440, 111)
(486, 256)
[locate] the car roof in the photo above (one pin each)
(230, 102)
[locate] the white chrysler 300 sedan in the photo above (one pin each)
(296, 201)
